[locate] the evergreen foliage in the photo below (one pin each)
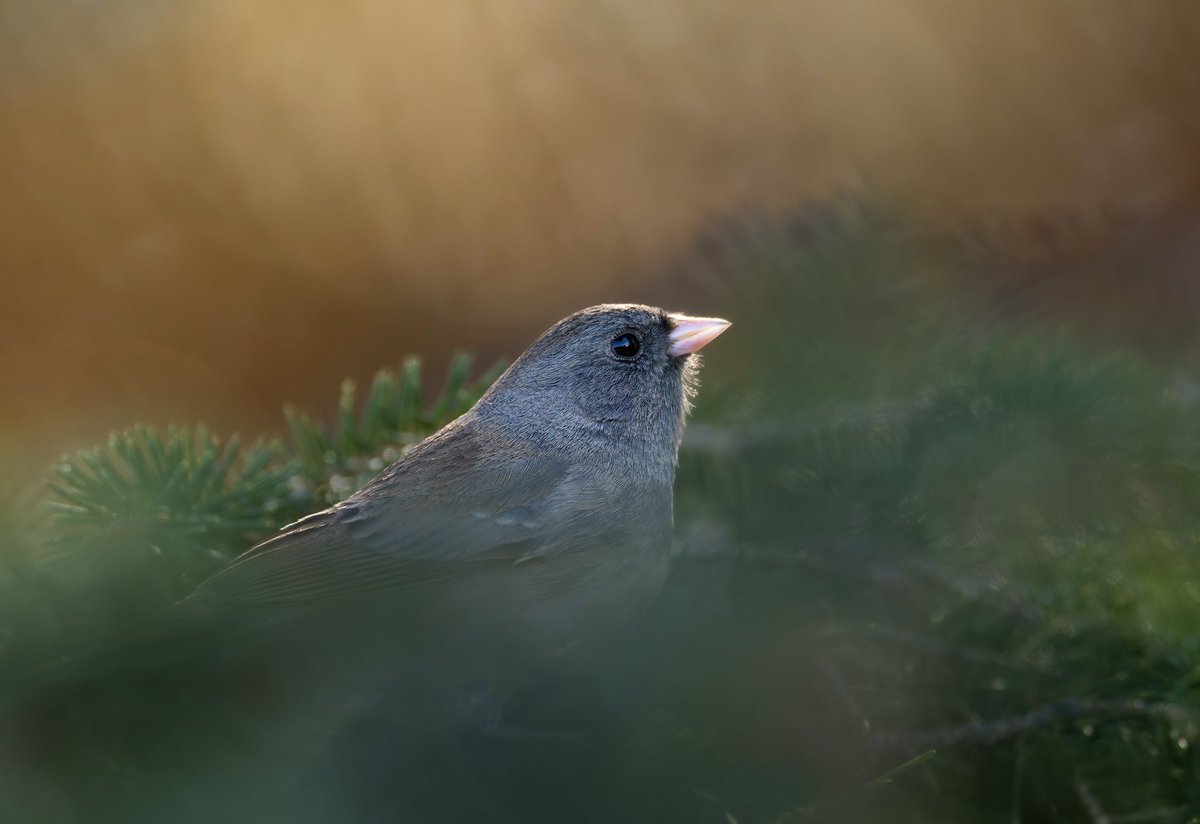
(135, 523)
(361, 442)
(184, 495)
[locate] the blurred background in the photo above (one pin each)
(939, 498)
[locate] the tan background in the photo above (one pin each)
(211, 206)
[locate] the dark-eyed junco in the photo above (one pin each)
(537, 518)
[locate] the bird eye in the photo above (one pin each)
(625, 345)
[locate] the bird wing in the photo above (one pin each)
(455, 504)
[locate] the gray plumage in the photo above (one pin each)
(538, 518)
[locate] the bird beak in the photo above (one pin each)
(690, 335)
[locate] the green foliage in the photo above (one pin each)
(987, 530)
(337, 461)
(186, 492)
(135, 523)
(184, 495)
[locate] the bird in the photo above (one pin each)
(539, 519)
(535, 525)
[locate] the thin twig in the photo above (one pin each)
(1004, 728)
(1090, 802)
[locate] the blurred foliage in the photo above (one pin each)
(935, 564)
(987, 528)
(137, 522)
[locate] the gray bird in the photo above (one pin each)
(368, 635)
(539, 518)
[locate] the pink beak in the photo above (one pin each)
(690, 335)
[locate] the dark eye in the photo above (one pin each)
(625, 345)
